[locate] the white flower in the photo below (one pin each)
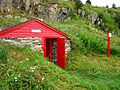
(27, 59)
(43, 78)
(15, 79)
(32, 69)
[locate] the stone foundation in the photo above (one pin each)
(34, 43)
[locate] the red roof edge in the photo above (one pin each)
(11, 28)
(46, 25)
(54, 29)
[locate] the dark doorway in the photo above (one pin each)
(51, 49)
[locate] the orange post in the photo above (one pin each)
(108, 46)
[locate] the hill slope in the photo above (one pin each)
(87, 64)
(22, 68)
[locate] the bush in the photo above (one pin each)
(117, 20)
(78, 4)
(4, 53)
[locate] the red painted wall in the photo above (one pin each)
(25, 30)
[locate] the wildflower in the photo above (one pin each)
(27, 59)
(43, 78)
(15, 78)
(32, 69)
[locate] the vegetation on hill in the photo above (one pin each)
(22, 68)
(87, 64)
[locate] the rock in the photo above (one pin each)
(63, 14)
(4, 3)
(15, 4)
(114, 14)
(56, 13)
(41, 19)
(81, 13)
(17, 17)
(92, 17)
(54, 9)
(23, 19)
(27, 7)
(9, 16)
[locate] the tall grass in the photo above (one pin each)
(85, 39)
(4, 53)
(32, 72)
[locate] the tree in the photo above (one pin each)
(88, 2)
(78, 4)
(107, 6)
(114, 5)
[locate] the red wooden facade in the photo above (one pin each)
(36, 28)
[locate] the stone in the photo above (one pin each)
(23, 19)
(92, 17)
(81, 13)
(27, 7)
(15, 4)
(54, 9)
(63, 14)
(9, 16)
(17, 17)
(41, 19)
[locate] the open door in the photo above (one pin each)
(61, 60)
(49, 46)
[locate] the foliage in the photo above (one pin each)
(84, 38)
(117, 19)
(28, 70)
(114, 6)
(4, 50)
(67, 4)
(88, 2)
(87, 64)
(8, 21)
(78, 4)
(105, 14)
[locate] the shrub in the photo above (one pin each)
(4, 53)
(78, 4)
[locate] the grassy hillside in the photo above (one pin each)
(86, 38)
(88, 67)
(22, 68)
(87, 64)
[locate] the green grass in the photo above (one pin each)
(86, 38)
(107, 15)
(94, 71)
(88, 67)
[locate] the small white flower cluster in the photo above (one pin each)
(32, 69)
(27, 59)
(15, 78)
(43, 80)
